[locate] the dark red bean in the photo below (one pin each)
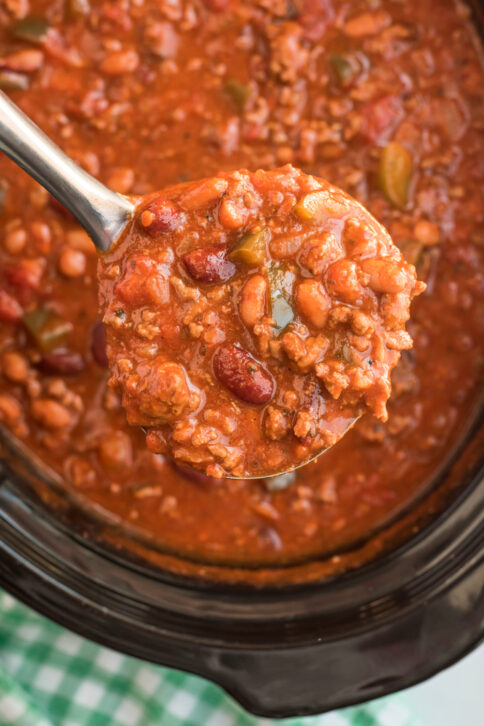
(195, 476)
(242, 374)
(61, 362)
(159, 217)
(10, 310)
(98, 345)
(209, 264)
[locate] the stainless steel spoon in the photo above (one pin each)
(104, 214)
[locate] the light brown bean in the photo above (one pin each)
(313, 302)
(51, 414)
(10, 411)
(15, 240)
(120, 62)
(253, 300)
(14, 367)
(385, 276)
(72, 263)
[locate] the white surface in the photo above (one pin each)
(452, 698)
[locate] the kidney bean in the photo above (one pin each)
(242, 374)
(159, 217)
(195, 476)
(61, 361)
(98, 345)
(26, 273)
(10, 310)
(209, 264)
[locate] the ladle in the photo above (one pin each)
(104, 214)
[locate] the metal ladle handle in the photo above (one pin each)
(101, 212)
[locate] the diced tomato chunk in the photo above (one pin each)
(10, 310)
(380, 117)
(170, 332)
(25, 274)
(315, 16)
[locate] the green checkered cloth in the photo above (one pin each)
(51, 677)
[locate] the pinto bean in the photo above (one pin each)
(15, 367)
(231, 215)
(243, 375)
(369, 23)
(23, 61)
(253, 300)
(120, 62)
(209, 264)
(15, 240)
(51, 414)
(10, 411)
(385, 276)
(72, 263)
(313, 302)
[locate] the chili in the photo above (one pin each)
(142, 95)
